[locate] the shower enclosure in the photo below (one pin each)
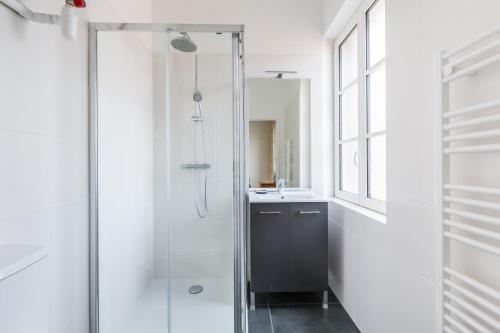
(167, 178)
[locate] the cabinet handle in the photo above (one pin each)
(310, 212)
(277, 212)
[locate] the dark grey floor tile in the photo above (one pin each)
(301, 298)
(311, 319)
(261, 299)
(259, 320)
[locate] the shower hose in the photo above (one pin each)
(201, 175)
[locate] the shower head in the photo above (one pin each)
(184, 43)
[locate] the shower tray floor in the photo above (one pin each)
(210, 311)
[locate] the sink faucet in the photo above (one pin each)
(280, 185)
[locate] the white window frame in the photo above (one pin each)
(359, 22)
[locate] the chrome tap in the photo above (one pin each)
(280, 185)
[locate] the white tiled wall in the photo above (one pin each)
(385, 274)
(43, 140)
(201, 247)
(44, 173)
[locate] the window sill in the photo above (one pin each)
(376, 216)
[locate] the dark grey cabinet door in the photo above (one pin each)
(270, 243)
(308, 246)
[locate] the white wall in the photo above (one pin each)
(385, 274)
(273, 27)
(336, 15)
(43, 139)
(331, 9)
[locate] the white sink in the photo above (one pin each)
(288, 196)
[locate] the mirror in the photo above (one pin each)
(280, 132)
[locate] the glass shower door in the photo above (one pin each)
(132, 289)
(167, 178)
(200, 122)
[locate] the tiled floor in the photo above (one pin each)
(298, 313)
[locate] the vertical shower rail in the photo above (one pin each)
(466, 304)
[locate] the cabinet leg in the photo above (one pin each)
(252, 301)
(325, 299)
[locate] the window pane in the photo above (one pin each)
(376, 167)
(349, 59)
(376, 101)
(349, 175)
(349, 113)
(376, 33)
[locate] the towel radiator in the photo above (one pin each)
(469, 211)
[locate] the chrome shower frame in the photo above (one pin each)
(240, 179)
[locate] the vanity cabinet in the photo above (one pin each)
(288, 247)
(308, 246)
(270, 243)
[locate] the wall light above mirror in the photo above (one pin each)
(280, 132)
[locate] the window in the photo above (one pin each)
(360, 139)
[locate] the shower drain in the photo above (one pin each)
(195, 289)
